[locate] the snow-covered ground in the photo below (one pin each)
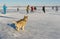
(39, 26)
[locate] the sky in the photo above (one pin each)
(29, 2)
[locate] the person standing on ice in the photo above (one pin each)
(35, 8)
(17, 9)
(32, 8)
(53, 7)
(27, 9)
(43, 9)
(4, 9)
(56, 8)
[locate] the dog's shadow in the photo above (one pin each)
(12, 25)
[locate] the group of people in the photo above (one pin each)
(28, 8)
(31, 8)
(56, 8)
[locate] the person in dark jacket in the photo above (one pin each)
(56, 8)
(53, 7)
(35, 8)
(43, 9)
(17, 9)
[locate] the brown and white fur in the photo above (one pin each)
(20, 24)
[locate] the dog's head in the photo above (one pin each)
(26, 17)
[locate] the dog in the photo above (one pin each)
(20, 24)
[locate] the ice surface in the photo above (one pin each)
(39, 26)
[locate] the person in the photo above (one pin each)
(32, 8)
(27, 9)
(56, 8)
(17, 9)
(53, 7)
(4, 8)
(43, 8)
(35, 8)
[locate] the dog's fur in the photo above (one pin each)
(20, 24)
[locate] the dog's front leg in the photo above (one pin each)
(17, 28)
(23, 28)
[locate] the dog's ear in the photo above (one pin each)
(25, 16)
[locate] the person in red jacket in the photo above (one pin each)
(32, 8)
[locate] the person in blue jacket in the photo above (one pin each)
(4, 8)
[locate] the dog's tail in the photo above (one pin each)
(14, 22)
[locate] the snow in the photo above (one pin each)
(39, 26)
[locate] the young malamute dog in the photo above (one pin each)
(20, 24)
